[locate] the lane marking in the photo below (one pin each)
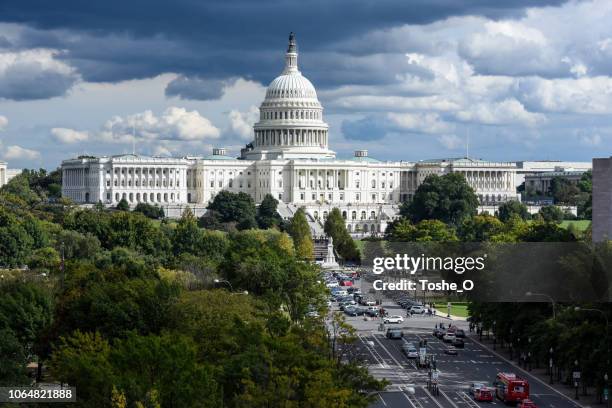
(381, 398)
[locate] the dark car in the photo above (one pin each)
(458, 343)
(441, 333)
(460, 333)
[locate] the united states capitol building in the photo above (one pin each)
(288, 158)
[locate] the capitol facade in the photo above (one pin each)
(288, 158)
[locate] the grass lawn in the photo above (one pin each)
(457, 309)
(580, 225)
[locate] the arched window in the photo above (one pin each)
(372, 215)
(365, 228)
(354, 215)
(344, 214)
(363, 215)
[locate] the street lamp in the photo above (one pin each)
(552, 301)
(576, 377)
(511, 337)
(529, 352)
(550, 364)
(606, 390)
(494, 335)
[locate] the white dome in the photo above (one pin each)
(291, 85)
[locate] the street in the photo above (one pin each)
(408, 384)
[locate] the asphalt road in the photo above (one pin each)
(474, 363)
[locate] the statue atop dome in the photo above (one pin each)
(292, 45)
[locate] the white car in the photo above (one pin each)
(449, 337)
(393, 319)
(370, 303)
(417, 310)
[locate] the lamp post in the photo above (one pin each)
(606, 393)
(529, 352)
(552, 301)
(511, 337)
(494, 335)
(550, 364)
(576, 378)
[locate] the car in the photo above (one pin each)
(393, 319)
(351, 310)
(394, 333)
(460, 333)
(458, 343)
(448, 337)
(312, 313)
(441, 333)
(410, 351)
(477, 385)
(370, 302)
(416, 309)
(371, 312)
(484, 394)
(527, 403)
(451, 351)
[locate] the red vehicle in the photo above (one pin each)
(527, 403)
(483, 394)
(346, 283)
(511, 388)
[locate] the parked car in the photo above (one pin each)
(417, 309)
(527, 403)
(448, 337)
(351, 310)
(460, 333)
(371, 312)
(394, 333)
(393, 319)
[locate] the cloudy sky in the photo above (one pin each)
(408, 80)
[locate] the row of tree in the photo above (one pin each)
(138, 312)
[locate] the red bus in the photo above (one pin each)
(511, 388)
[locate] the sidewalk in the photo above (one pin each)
(588, 401)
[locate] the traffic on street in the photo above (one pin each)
(430, 360)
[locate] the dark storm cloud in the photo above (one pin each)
(197, 88)
(113, 41)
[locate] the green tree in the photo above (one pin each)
(235, 208)
(447, 198)
(403, 230)
(267, 217)
(302, 237)
(335, 227)
(150, 211)
(563, 191)
(480, 228)
(509, 208)
(551, 213)
(123, 205)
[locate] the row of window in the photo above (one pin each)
(357, 197)
(291, 114)
(146, 197)
(157, 183)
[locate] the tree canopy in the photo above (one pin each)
(447, 198)
(335, 227)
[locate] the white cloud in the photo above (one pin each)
(591, 140)
(506, 112)
(3, 122)
(34, 74)
(18, 152)
(65, 135)
(451, 142)
(173, 124)
(587, 95)
(241, 123)
(420, 122)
